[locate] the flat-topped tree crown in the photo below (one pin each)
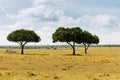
(88, 39)
(22, 37)
(67, 35)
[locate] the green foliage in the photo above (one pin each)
(24, 36)
(95, 39)
(75, 35)
(88, 39)
(66, 34)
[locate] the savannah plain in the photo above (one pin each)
(101, 63)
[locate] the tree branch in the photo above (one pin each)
(25, 43)
(70, 44)
(19, 43)
(84, 45)
(88, 46)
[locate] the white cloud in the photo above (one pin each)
(105, 26)
(102, 25)
(4, 31)
(46, 35)
(3, 37)
(44, 18)
(23, 25)
(2, 10)
(35, 13)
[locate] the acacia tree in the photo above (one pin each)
(88, 39)
(68, 35)
(22, 37)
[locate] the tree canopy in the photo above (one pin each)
(88, 39)
(68, 35)
(22, 37)
(75, 35)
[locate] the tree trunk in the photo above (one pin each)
(86, 47)
(85, 50)
(22, 49)
(73, 48)
(22, 45)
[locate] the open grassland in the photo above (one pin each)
(101, 63)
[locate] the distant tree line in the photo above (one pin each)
(69, 35)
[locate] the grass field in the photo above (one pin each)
(101, 63)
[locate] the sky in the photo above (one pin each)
(100, 17)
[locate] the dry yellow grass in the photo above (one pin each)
(49, 64)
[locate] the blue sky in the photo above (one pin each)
(100, 17)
